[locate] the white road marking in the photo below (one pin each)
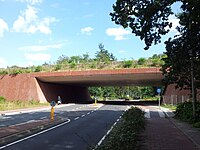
(161, 114)
(31, 136)
(147, 113)
(103, 138)
(43, 118)
(76, 118)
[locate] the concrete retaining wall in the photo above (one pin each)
(27, 87)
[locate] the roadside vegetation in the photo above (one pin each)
(103, 60)
(169, 106)
(125, 135)
(12, 105)
(124, 92)
(184, 112)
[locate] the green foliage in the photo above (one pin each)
(38, 69)
(196, 124)
(184, 111)
(3, 72)
(127, 64)
(2, 99)
(58, 67)
(124, 136)
(141, 61)
(124, 92)
(147, 19)
(150, 20)
(103, 55)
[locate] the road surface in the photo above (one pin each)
(85, 126)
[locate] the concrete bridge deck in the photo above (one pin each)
(73, 85)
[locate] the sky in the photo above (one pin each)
(33, 32)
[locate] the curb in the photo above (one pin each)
(181, 126)
(28, 110)
(24, 133)
(185, 131)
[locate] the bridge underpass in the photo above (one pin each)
(73, 86)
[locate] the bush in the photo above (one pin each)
(124, 136)
(2, 100)
(127, 64)
(38, 69)
(184, 111)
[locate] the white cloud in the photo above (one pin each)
(29, 22)
(119, 33)
(32, 2)
(38, 48)
(3, 63)
(121, 51)
(3, 27)
(38, 57)
(87, 30)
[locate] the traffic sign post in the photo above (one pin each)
(158, 91)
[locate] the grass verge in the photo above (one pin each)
(12, 105)
(125, 135)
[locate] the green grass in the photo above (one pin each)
(13, 105)
(172, 107)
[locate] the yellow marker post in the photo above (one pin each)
(53, 103)
(52, 113)
(95, 102)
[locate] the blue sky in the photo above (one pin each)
(33, 32)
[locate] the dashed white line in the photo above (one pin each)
(103, 138)
(43, 117)
(76, 118)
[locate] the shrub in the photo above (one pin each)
(127, 64)
(38, 69)
(184, 111)
(141, 61)
(58, 67)
(124, 136)
(2, 100)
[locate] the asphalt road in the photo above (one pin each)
(85, 126)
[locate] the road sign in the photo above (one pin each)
(53, 103)
(158, 90)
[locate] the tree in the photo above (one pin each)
(149, 19)
(141, 61)
(103, 55)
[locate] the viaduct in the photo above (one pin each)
(72, 86)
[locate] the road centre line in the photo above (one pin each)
(31, 136)
(103, 138)
(76, 118)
